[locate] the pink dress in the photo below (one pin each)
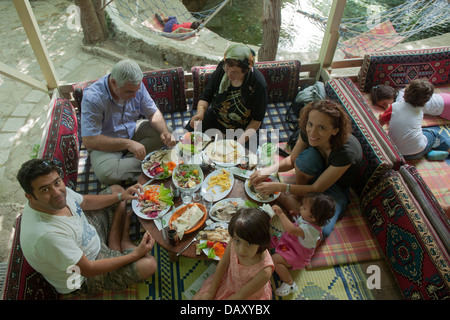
(238, 275)
(289, 247)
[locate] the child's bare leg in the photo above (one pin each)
(282, 269)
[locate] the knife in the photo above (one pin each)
(215, 145)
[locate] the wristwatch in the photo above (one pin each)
(288, 188)
(119, 196)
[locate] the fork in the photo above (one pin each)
(182, 250)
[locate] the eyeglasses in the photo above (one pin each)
(232, 73)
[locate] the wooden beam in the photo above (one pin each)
(31, 27)
(331, 36)
(25, 79)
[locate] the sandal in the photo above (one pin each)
(286, 289)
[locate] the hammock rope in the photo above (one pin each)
(400, 22)
(141, 14)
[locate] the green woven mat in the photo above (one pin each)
(173, 279)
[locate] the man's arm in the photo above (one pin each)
(100, 201)
(158, 123)
(109, 144)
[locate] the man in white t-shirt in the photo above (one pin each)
(80, 243)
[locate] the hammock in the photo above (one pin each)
(358, 36)
(142, 14)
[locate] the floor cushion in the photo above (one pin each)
(413, 249)
(379, 153)
(398, 68)
(60, 141)
(166, 87)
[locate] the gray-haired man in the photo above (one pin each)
(109, 112)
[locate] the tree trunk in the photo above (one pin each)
(271, 25)
(94, 29)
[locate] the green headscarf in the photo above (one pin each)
(238, 52)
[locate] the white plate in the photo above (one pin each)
(252, 194)
(212, 227)
(148, 156)
(137, 210)
(222, 202)
(219, 194)
(220, 144)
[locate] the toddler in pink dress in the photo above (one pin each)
(245, 269)
(298, 243)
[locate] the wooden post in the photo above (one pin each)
(34, 36)
(331, 36)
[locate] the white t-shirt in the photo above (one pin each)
(52, 244)
(405, 128)
(312, 235)
(434, 106)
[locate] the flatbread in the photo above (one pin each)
(187, 220)
(226, 151)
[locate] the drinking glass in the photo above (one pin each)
(186, 196)
(197, 197)
(208, 201)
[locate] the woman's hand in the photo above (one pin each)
(197, 117)
(257, 177)
(269, 187)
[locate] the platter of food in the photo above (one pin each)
(153, 203)
(213, 240)
(158, 161)
(225, 153)
(252, 193)
(188, 177)
(188, 218)
(192, 142)
(218, 183)
(223, 210)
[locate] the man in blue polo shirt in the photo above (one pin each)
(110, 129)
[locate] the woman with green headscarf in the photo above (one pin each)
(235, 96)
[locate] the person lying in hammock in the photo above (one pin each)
(171, 23)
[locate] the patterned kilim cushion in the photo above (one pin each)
(282, 79)
(78, 91)
(60, 143)
(428, 202)
(418, 258)
(379, 153)
(398, 68)
(166, 87)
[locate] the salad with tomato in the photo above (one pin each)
(192, 142)
(187, 176)
(155, 199)
(158, 162)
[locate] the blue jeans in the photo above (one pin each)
(431, 138)
(311, 163)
